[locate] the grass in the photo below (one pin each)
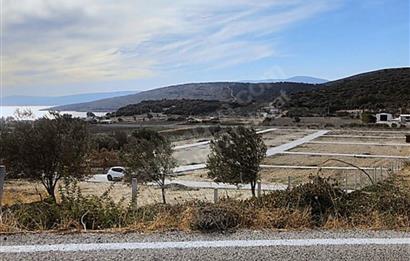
(317, 204)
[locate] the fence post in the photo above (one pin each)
(355, 181)
(259, 189)
(381, 173)
(216, 198)
(134, 192)
(346, 180)
(2, 176)
(289, 183)
(375, 175)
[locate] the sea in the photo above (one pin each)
(38, 111)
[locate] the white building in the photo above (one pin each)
(384, 118)
(387, 118)
(404, 118)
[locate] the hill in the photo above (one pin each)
(387, 89)
(298, 79)
(21, 100)
(176, 107)
(217, 91)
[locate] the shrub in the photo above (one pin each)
(210, 218)
(74, 211)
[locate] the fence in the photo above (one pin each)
(349, 180)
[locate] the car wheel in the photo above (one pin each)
(109, 177)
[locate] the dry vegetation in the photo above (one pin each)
(319, 203)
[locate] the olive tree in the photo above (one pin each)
(148, 155)
(236, 156)
(47, 150)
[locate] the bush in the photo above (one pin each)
(74, 211)
(319, 203)
(210, 218)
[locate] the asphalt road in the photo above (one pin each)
(243, 245)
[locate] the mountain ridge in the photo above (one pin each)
(222, 91)
(297, 79)
(351, 93)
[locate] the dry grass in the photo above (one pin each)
(295, 209)
(20, 191)
(17, 191)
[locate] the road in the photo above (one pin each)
(293, 144)
(203, 184)
(242, 245)
(214, 185)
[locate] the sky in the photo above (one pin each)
(61, 47)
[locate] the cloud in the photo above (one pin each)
(63, 41)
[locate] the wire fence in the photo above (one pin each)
(347, 179)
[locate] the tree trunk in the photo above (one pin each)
(163, 195)
(51, 192)
(253, 186)
(50, 186)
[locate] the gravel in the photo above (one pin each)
(363, 252)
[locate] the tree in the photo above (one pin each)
(104, 141)
(47, 150)
(148, 155)
(296, 119)
(236, 156)
(104, 158)
(121, 137)
(24, 114)
(368, 117)
(90, 114)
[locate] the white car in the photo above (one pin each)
(115, 173)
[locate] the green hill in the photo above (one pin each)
(176, 107)
(383, 90)
(242, 93)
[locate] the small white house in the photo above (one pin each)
(384, 118)
(404, 118)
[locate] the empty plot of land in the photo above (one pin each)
(360, 143)
(354, 149)
(206, 142)
(393, 137)
(197, 153)
(365, 132)
(315, 167)
(24, 191)
(193, 155)
(316, 160)
(345, 155)
(350, 177)
(280, 137)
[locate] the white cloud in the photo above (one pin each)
(62, 41)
